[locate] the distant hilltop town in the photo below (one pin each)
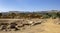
(38, 14)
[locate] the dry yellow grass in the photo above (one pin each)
(48, 27)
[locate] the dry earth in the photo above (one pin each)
(47, 26)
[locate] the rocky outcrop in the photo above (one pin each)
(18, 25)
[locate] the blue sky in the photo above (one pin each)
(29, 5)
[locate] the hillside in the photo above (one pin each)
(44, 26)
(30, 22)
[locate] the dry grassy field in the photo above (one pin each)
(32, 25)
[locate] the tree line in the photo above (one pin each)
(31, 15)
